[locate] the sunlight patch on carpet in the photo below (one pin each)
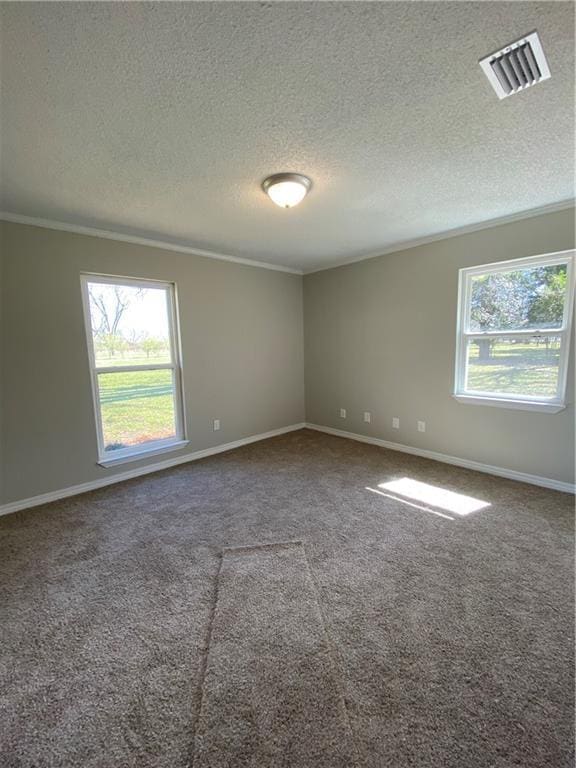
(409, 503)
(450, 501)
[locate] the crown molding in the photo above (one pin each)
(17, 218)
(446, 235)
(77, 229)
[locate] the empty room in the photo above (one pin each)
(287, 463)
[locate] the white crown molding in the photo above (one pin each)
(446, 235)
(77, 229)
(403, 245)
(74, 490)
(510, 474)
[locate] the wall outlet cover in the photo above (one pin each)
(421, 426)
(367, 417)
(395, 422)
(216, 425)
(342, 413)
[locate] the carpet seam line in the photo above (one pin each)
(266, 546)
(332, 653)
(204, 665)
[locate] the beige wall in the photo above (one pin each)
(380, 337)
(1, 371)
(242, 340)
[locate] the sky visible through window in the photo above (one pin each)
(129, 324)
(135, 372)
(145, 308)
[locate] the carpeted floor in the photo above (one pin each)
(271, 694)
(452, 635)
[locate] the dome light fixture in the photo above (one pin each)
(287, 189)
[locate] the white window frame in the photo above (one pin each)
(133, 453)
(551, 404)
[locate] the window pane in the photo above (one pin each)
(129, 324)
(521, 366)
(137, 407)
(532, 297)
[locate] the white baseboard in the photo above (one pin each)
(92, 485)
(74, 490)
(510, 474)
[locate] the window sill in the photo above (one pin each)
(523, 405)
(142, 454)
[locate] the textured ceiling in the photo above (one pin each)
(161, 120)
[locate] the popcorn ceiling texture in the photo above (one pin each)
(453, 639)
(161, 119)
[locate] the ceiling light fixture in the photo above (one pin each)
(287, 189)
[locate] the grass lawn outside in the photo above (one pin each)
(130, 358)
(137, 407)
(524, 368)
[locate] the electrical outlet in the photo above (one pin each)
(342, 413)
(367, 417)
(216, 425)
(395, 422)
(421, 426)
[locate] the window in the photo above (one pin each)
(514, 332)
(134, 357)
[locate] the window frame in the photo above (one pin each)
(153, 447)
(552, 404)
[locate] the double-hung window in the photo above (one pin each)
(134, 354)
(513, 335)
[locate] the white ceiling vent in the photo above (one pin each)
(516, 67)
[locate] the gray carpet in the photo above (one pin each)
(271, 694)
(453, 638)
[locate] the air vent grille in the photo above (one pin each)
(516, 67)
